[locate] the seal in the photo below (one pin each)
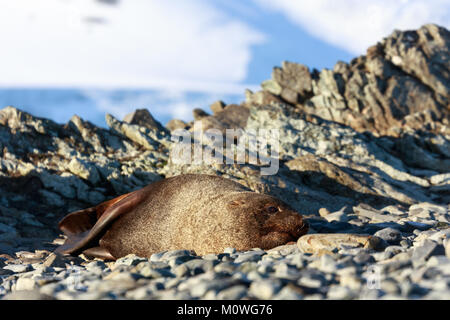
(197, 212)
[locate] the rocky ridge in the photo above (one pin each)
(364, 150)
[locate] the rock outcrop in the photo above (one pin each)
(401, 83)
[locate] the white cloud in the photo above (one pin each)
(354, 25)
(188, 45)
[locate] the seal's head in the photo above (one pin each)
(275, 223)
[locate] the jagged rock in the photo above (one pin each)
(148, 138)
(217, 106)
(144, 118)
(84, 170)
(402, 82)
(175, 124)
(231, 117)
(260, 98)
(199, 114)
(293, 82)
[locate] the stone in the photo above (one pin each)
(264, 289)
(289, 292)
(217, 106)
(18, 268)
(249, 256)
(144, 118)
(199, 114)
(236, 292)
(340, 293)
(390, 235)
(175, 124)
(447, 247)
(427, 249)
(24, 284)
(84, 170)
(129, 260)
(55, 260)
(132, 132)
(339, 216)
(314, 243)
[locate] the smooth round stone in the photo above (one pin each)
(148, 272)
(228, 267)
(405, 243)
(18, 268)
(210, 257)
(289, 292)
(233, 293)
(249, 256)
(200, 289)
(340, 293)
(312, 281)
(139, 294)
(390, 235)
(298, 261)
(284, 250)
(96, 266)
(351, 281)
(178, 260)
(255, 276)
(129, 260)
(197, 266)
(157, 256)
(181, 270)
(176, 254)
(315, 243)
(264, 289)
(265, 268)
(326, 264)
(248, 266)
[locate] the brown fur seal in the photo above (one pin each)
(203, 213)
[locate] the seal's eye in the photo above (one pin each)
(272, 209)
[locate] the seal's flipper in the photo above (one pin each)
(84, 227)
(84, 220)
(99, 252)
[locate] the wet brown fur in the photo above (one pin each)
(203, 213)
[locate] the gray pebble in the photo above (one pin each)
(340, 293)
(233, 293)
(289, 292)
(427, 249)
(18, 268)
(249, 256)
(264, 289)
(390, 235)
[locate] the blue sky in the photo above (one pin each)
(89, 57)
